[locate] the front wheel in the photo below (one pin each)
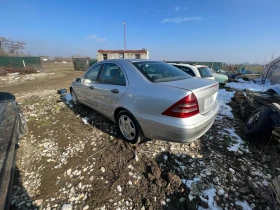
(74, 98)
(258, 122)
(129, 127)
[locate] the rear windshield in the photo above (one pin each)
(205, 72)
(160, 71)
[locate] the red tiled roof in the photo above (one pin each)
(122, 51)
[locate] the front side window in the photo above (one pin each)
(112, 74)
(93, 73)
(160, 71)
(205, 72)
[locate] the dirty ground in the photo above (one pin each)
(74, 158)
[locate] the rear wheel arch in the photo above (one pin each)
(141, 136)
(118, 110)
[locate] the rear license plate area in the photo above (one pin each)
(209, 101)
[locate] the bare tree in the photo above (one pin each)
(11, 47)
(269, 64)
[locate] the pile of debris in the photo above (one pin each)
(10, 70)
(274, 188)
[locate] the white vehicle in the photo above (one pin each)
(194, 70)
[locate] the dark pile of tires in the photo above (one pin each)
(259, 122)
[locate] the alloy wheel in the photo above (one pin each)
(127, 127)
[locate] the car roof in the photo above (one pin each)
(200, 66)
(182, 64)
(189, 65)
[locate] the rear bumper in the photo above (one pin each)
(178, 133)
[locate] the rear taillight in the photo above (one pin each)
(186, 107)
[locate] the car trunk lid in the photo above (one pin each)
(205, 91)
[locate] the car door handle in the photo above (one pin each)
(115, 91)
(91, 87)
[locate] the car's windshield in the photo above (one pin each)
(205, 72)
(160, 71)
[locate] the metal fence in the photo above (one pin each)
(19, 62)
(81, 64)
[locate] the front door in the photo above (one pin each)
(87, 92)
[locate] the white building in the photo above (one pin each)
(122, 54)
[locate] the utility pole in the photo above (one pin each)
(124, 23)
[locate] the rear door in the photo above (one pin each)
(111, 86)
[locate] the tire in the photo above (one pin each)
(258, 122)
(74, 98)
(129, 127)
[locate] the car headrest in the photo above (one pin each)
(113, 72)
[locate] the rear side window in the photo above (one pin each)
(112, 74)
(160, 71)
(93, 73)
(205, 72)
(187, 70)
(120, 78)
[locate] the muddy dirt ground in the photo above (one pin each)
(74, 158)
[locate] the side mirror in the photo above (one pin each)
(78, 80)
(6, 97)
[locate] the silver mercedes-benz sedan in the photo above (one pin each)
(149, 99)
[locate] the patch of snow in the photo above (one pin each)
(249, 85)
(224, 97)
(208, 197)
(85, 120)
(188, 183)
(243, 204)
(239, 142)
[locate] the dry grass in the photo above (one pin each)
(255, 68)
(58, 66)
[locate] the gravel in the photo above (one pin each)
(66, 164)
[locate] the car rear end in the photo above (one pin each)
(190, 117)
(178, 110)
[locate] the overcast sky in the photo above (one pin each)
(234, 31)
